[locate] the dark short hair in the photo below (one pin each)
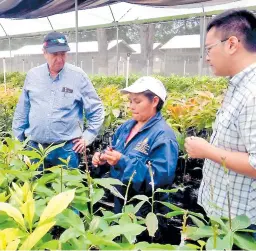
(240, 23)
(150, 95)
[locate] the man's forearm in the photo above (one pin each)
(235, 161)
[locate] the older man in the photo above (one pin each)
(54, 99)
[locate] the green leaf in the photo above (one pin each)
(97, 223)
(174, 190)
(97, 196)
(99, 241)
(147, 246)
(36, 236)
(174, 213)
(220, 244)
(220, 222)
(114, 231)
(140, 197)
(56, 205)
(196, 221)
(195, 233)
(68, 234)
(244, 241)
(107, 181)
(13, 213)
(152, 224)
(138, 206)
(51, 245)
(68, 218)
(240, 222)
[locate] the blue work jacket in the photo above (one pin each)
(155, 142)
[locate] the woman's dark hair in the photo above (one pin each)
(150, 95)
(240, 23)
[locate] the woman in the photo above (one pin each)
(143, 139)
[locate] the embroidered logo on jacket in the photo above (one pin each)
(142, 146)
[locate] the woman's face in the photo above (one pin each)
(141, 107)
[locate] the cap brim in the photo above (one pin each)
(57, 48)
(132, 89)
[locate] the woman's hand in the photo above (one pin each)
(111, 156)
(98, 159)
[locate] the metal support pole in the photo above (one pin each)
(4, 70)
(76, 11)
(147, 67)
(184, 68)
(23, 65)
(117, 49)
(127, 69)
(92, 65)
(10, 50)
(202, 44)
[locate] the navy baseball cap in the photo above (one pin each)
(55, 42)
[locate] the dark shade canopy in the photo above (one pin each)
(44, 8)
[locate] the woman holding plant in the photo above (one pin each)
(142, 140)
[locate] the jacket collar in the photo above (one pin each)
(149, 124)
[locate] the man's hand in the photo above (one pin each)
(111, 156)
(197, 147)
(80, 145)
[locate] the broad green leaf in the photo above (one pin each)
(3, 197)
(97, 196)
(174, 213)
(139, 197)
(13, 245)
(196, 221)
(220, 244)
(152, 224)
(154, 246)
(52, 148)
(240, 222)
(138, 206)
(219, 221)
(12, 234)
(100, 241)
(13, 212)
(28, 209)
(97, 223)
(51, 245)
(244, 241)
(68, 218)
(107, 181)
(114, 231)
(31, 154)
(171, 206)
(36, 236)
(195, 233)
(56, 205)
(174, 190)
(68, 234)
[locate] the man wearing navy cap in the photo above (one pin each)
(55, 99)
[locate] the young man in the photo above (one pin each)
(231, 51)
(52, 104)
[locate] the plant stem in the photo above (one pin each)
(127, 189)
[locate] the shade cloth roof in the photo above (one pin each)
(43, 8)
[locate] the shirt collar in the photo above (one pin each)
(236, 80)
(59, 74)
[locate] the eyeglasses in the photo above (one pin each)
(55, 41)
(208, 49)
